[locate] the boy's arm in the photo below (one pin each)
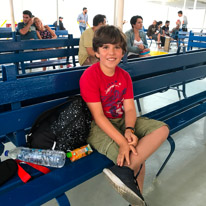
(130, 120)
(130, 113)
(103, 122)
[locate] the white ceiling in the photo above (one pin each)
(201, 4)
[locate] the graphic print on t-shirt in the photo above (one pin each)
(113, 99)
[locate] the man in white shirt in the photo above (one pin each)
(183, 21)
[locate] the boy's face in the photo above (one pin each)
(110, 55)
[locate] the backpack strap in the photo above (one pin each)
(24, 176)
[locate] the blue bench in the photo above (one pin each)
(24, 97)
(182, 40)
(197, 40)
(21, 53)
(62, 33)
(6, 33)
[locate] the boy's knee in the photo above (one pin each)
(165, 130)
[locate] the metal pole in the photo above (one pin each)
(115, 12)
(168, 12)
(203, 23)
(12, 16)
(195, 4)
(184, 5)
(120, 13)
(57, 2)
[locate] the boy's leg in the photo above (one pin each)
(147, 146)
(122, 178)
(151, 134)
(140, 178)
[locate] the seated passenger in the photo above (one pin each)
(162, 37)
(153, 32)
(44, 32)
(175, 31)
(136, 39)
(166, 29)
(27, 28)
(61, 25)
(86, 52)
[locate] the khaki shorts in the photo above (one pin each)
(106, 146)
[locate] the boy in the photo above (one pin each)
(116, 132)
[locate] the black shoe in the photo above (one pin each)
(122, 179)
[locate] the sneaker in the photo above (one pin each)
(122, 179)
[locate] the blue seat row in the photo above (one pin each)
(27, 55)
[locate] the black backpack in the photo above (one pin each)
(64, 127)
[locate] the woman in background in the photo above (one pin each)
(43, 32)
(136, 39)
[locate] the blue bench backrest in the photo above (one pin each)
(20, 51)
(196, 40)
(61, 33)
(24, 98)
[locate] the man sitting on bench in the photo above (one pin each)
(86, 53)
(27, 28)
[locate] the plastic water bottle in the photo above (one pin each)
(50, 158)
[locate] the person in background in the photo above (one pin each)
(44, 32)
(175, 31)
(153, 33)
(166, 29)
(86, 52)
(183, 20)
(136, 39)
(116, 131)
(160, 37)
(27, 28)
(61, 25)
(83, 20)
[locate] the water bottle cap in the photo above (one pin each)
(69, 154)
(6, 153)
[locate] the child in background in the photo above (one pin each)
(116, 131)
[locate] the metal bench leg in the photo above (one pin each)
(184, 90)
(63, 200)
(178, 92)
(1, 149)
(139, 107)
(172, 145)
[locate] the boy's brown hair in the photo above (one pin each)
(109, 35)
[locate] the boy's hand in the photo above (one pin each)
(131, 138)
(124, 150)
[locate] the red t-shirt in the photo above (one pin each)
(95, 86)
